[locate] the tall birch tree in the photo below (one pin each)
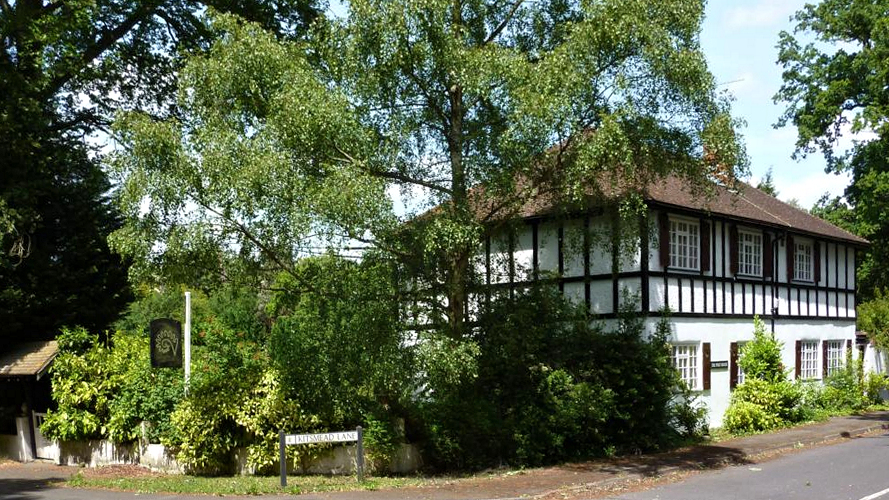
(472, 107)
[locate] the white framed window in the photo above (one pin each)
(836, 355)
(802, 269)
(685, 359)
(809, 359)
(749, 253)
(685, 244)
(741, 376)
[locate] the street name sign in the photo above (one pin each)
(357, 435)
(329, 437)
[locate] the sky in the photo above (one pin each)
(739, 39)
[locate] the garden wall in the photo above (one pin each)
(97, 453)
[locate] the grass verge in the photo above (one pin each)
(243, 485)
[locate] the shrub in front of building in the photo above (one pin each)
(554, 385)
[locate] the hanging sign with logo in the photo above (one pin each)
(166, 343)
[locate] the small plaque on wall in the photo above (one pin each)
(719, 365)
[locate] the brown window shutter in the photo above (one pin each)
(705, 246)
(733, 249)
(706, 359)
(790, 255)
(767, 257)
(823, 360)
(663, 222)
(733, 365)
(799, 359)
(816, 256)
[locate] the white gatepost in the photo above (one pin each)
(187, 350)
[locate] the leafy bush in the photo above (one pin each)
(850, 389)
(554, 390)
(83, 386)
(745, 416)
(107, 391)
(873, 318)
(766, 399)
(145, 394)
(339, 347)
(761, 358)
(234, 400)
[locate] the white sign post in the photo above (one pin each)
(187, 346)
(329, 437)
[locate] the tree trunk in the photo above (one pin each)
(459, 259)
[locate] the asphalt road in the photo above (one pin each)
(854, 470)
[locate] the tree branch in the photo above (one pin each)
(105, 42)
(397, 176)
(494, 34)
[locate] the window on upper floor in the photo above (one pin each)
(685, 359)
(685, 244)
(808, 359)
(750, 253)
(803, 261)
(836, 356)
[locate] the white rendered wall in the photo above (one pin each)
(720, 333)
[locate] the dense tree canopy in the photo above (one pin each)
(65, 68)
(837, 84)
(284, 147)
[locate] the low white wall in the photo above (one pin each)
(96, 453)
(156, 458)
(338, 460)
(17, 447)
(343, 460)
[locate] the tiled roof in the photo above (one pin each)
(744, 203)
(28, 359)
(750, 204)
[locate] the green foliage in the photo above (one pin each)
(564, 389)
(55, 266)
(65, 69)
(83, 386)
(850, 389)
(145, 394)
(759, 404)
(107, 391)
(761, 357)
(340, 348)
(767, 184)
(873, 318)
(235, 399)
(834, 83)
(767, 400)
(279, 148)
(239, 308)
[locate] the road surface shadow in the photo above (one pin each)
(694, 458)
(24, 489)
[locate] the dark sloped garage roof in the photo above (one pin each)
(28, 359)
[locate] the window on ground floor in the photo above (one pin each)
(809, 359)
(836, 355)
(741, 376)
(685, 359)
